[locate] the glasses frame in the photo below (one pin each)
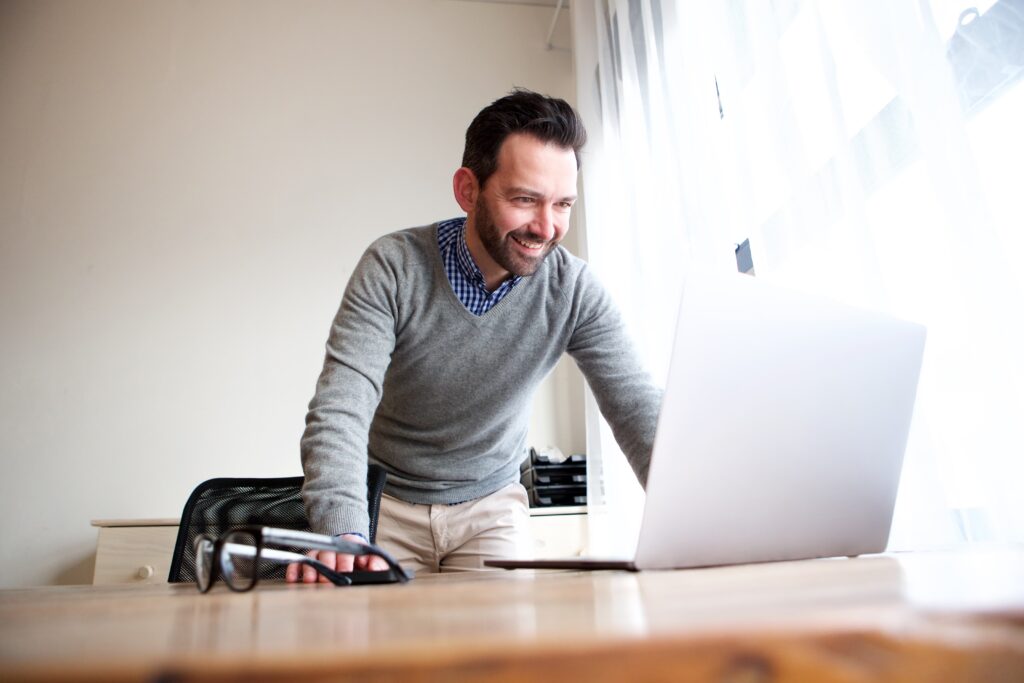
(222, 551)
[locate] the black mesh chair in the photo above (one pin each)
(220, 505)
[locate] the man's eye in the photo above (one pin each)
(524, 200)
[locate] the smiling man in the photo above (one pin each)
(443, 335)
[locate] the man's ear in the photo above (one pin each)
(466, 188)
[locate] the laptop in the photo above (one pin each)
(781, 434)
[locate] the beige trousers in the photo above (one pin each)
(454, 538)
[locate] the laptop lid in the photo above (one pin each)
(782, 429)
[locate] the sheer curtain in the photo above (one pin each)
(870, 151)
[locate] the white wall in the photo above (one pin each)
(184, 190)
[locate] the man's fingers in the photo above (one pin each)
(309, 575)
(296, 572)
(336, 561)
(371, 563)
(365, 563)
(328, 558)
(344, 562)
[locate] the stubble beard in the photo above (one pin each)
(501, 249)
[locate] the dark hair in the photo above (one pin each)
(548, 119)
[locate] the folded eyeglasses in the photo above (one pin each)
(237, 554)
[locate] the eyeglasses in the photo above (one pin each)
(237, 554)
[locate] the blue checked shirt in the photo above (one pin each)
(466, 279)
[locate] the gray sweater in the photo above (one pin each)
(440, 397)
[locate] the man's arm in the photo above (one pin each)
(625, 393)
(334, 444)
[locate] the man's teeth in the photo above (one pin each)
(528, 245)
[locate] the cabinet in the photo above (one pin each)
(559, 532)
(134, 550)
(140, 550)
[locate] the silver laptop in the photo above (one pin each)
(781, 433)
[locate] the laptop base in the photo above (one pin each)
(583, 563)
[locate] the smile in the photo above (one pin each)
(529, 245)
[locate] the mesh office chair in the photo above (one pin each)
(223, 504)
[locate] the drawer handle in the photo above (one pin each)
(145, 572)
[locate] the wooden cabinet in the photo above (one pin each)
(559, 532)
(134, 550)
(140, 550)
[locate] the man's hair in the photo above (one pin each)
(548, 119)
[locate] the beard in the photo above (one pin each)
(502, 250)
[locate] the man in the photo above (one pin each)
(443, 334)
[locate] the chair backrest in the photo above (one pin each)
(220, 505)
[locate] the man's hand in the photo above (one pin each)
(337, 561)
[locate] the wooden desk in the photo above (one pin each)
(921, 617)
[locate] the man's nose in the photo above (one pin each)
(544, 222)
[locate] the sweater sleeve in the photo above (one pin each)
(334, 443)
(625, 393)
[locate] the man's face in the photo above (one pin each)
(522, 213)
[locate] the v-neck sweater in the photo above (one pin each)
(440, 397)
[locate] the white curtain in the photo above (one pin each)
(869, 150)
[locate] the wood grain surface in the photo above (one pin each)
(913, 617)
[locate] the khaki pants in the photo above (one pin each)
(454, 538)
